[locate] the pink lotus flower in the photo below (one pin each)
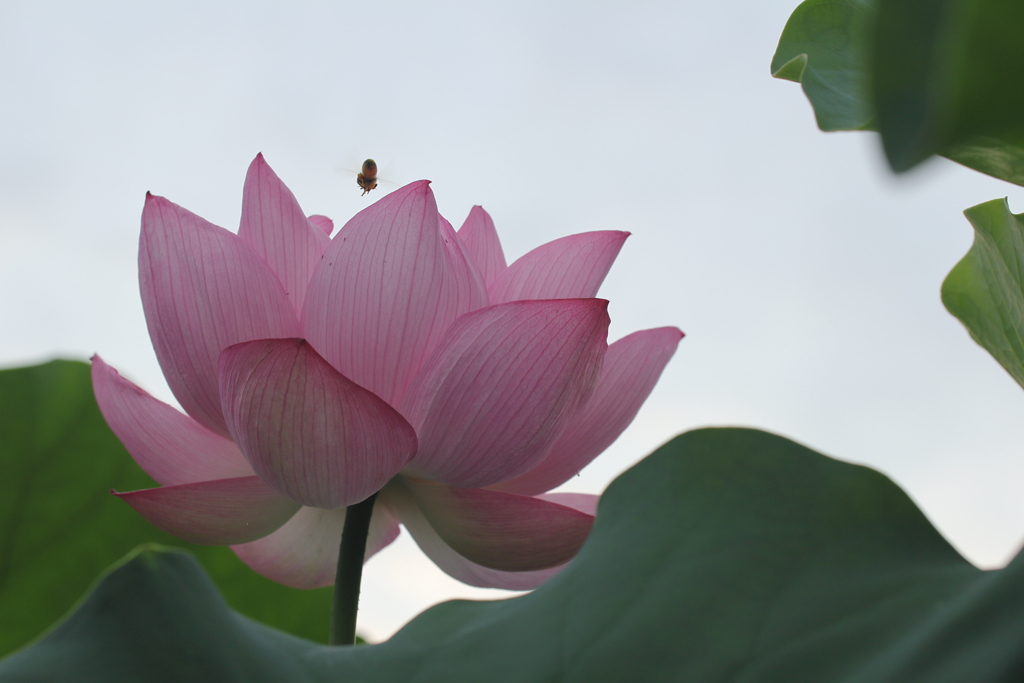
(399, 357)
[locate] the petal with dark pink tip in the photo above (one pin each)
(203, 290)
(481, 240)
(170, 446)
(389, 285)
(307, 430)
(277, 229)
(218, 512)
(304, 552)
(501, 386)
(501, 531)
(631, 368)
(572, 267)
(449, 561)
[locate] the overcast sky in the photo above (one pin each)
(805, 275)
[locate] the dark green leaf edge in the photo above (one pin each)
(948, 77)
(728, 554)
(985, 290)
(821, 49)
(824, 48)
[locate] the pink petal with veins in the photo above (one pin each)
(572, 267)
(170, 446)
(277, 229)
(449, 561)
(517, 531)
(501, 386)
(481, 240)
(304, 552)
(464, 257)
(307, 430)
(322, 223)
(215, 512)
(389, 285)
(203, 290)
(631, 368)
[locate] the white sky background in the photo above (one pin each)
(804, 274)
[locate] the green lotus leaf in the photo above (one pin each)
(985, 290)
(60, 527)
(939, 77)
(727, 555)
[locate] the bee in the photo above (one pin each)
(367, 178)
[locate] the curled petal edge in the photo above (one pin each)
(218, 512)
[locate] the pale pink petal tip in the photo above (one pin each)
(310, 432)
(322, 222)
(501, 386)
(483, 245)
(218, 512)
(170, 446)
(568, 268)
(274, 225)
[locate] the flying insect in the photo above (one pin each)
(367, 178)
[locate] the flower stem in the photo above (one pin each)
(350, 572)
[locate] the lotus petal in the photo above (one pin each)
(307, 430)
(572, 267)
(277, 229)
(170, 446)
(389, 285)
(501, 386)
(449, 561)
(323, 223)
(502, 531)
(304, 552)
(481, 240)
(584, 502)
(203, 290)
(217, 512)
(631, 368)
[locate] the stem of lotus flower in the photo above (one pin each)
(350, 572)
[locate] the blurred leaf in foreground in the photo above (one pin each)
(60, 527)
(728, 554)
(947, 76)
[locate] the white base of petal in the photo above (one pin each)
(304, 552)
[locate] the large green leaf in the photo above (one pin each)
(60, 527)
(822, 48)
(999, 157)
(985, 290)
(727, 555)
(946, 72)
(947, 76)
